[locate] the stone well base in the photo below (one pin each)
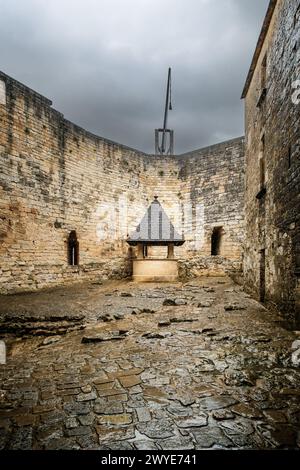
(155, 270)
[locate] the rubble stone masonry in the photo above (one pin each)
(56, 177)
(272, 245)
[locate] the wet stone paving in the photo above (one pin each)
(160, 366)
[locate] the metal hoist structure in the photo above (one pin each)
(164, 138)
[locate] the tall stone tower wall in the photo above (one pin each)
(272, 207)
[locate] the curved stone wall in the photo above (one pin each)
(56, 177)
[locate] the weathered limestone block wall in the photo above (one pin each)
(272, 245)
(202, 190)
(161, 175)
(213, 180)
(56, 177)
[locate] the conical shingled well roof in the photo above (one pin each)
(155, 228)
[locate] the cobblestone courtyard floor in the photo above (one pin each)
(175, 366)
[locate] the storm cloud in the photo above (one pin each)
(104, 63)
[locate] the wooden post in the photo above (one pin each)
(140, 251)
(171, 251)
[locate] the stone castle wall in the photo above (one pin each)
(56, 177)
(272, 245)
(213, 180)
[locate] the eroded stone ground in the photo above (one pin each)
(189, 366)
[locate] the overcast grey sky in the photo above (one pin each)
(104, 63)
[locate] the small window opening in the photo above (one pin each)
(73, 249)
(145, 251)
(216, 240)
